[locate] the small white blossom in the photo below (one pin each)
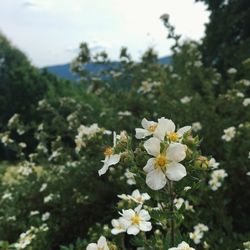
(232, 71)
(185, 99)
(182, 246)
(137, 220)
(45, 216)
(217, 177)
(246, 102)
(212, 163)
(196, 126)
(100, 245)
(229, 134)
(43, 187)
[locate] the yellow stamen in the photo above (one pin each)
(152, 128)
(108, 151)
(172, 136)
(161, 161)
(136, 219)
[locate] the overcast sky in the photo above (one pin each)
(50, 31)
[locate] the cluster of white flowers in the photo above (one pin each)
(246, 102)
(88, 132)
(130, 177)
(136, 196)
(229, 134)
(100, 245)
(45, 216)
(182, 246)
(213, 164)
(178, 202)
(124, 113)
(5, 139)
(26, 238)
(14, 119)
(132, 221)
(25, 170)
(232, 71)
(196, 126)
(165, 163)
(217, 177)
(48, 198)
(185, 99)
(246, 245)
(198, 233)
(7, 196)
(147, 86)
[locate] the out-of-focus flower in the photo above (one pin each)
(246, 102)
(217, 177)
(229, 134)
(100, 245)
(196, 126)
(185, 99)
(182, 246)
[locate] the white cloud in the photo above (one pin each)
(46, 25)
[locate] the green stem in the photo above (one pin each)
(172, 224)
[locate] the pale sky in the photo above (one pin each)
(50, 31)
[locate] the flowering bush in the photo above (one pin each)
(172, 193)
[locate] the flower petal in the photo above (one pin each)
(92, 246)
(133, 230)
(175, 171)
(141, 133)
(152, 146)
(103, 170)
(145, 226)
(176, 152)
(150, 165)
(114, 159)
(144, 123)
(183, 130)
(144, 215)
(164, 126)
(102, 242)
(156, 179)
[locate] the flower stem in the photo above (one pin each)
(172, 232)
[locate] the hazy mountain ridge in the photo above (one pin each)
(63, 70)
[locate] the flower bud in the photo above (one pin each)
(201, 162)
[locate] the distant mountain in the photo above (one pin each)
(63, 70)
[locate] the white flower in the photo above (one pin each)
(212, 163)
(149, 128)
(48, 198)
(110, 159)
(187, 188)
(196, 236)
(196, 126)
(185, 99)
(25, 170)
(7, 196)
(22, 144)
(232, 71)
(246, 102)
(101, 245)
(146, 87)
(217, 177)
(166, 128)
(43, 187)
(124, 113)
(130, 177)
(13, 119)
(119, 226)
(164, 164)
(178, 202)
(32, 213)
(248, 173)
(182, 246)
(45, 216)
(189, 207)
(240, 94)
(138, 197)
(137, 220)
(229, 134)
(197, 64)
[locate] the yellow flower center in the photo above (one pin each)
(108, 151)
(152, 128)
(172, 136)
(161, 161)
(136, 219)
